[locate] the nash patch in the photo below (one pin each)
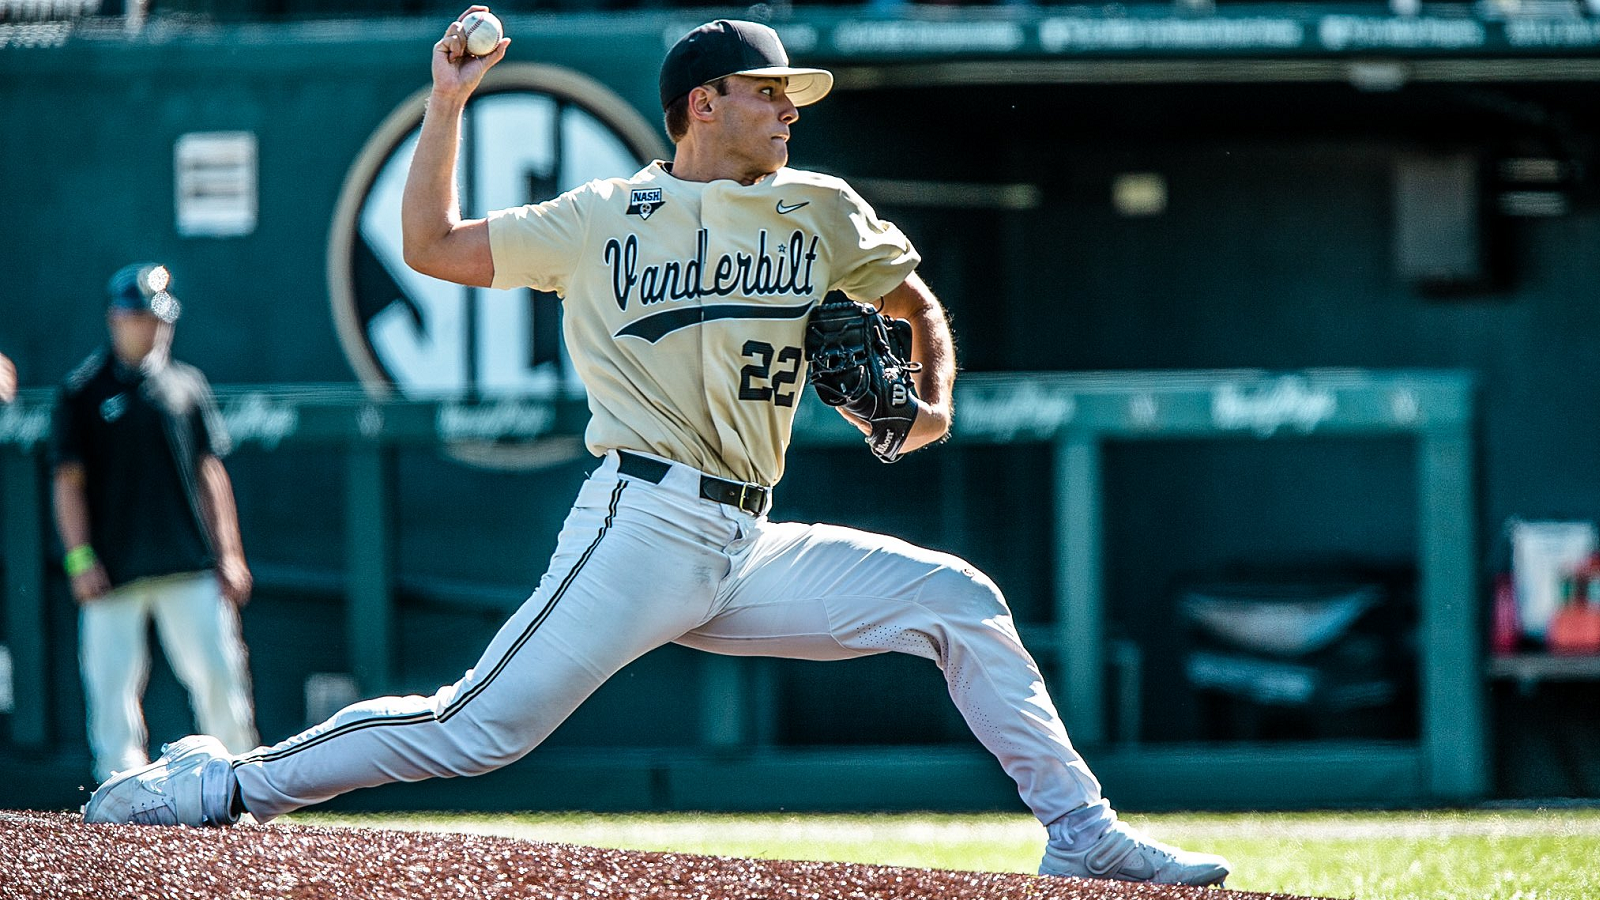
(642, 202)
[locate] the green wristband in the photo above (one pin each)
(79, 560)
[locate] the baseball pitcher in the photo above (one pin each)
(694, 313)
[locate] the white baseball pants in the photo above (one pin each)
(199, 631)
(639, 565)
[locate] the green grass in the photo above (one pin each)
(1483, 855)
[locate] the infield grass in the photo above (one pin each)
(1532, 854)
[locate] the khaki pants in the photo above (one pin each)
(199, 631)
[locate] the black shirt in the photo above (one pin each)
(140, 436)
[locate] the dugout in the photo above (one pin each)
(1093, 193)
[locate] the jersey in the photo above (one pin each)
(140, 437)
(685, 303)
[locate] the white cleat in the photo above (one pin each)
(1123, 854)
(191, 784)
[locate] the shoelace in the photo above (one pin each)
(156, 812)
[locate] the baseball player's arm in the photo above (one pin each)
(932, 346)
(222, 523)
(437, 241)
(72, 521)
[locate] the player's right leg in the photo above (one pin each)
(634, 567)
(629, 574)
(191, 784)
(115, 662)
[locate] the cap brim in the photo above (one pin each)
(806, 86)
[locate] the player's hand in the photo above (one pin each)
(930, 426)
(234, 577)
(90, 586)
(456, 72)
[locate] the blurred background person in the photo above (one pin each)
(147, 517)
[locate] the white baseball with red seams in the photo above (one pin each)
(482, 32)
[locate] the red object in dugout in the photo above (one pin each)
(1575, 628)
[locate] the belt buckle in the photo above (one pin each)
(745, 497)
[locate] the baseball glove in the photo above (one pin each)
(860, 360)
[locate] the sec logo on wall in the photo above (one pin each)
(528, 134)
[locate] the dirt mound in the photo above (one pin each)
(53, 856)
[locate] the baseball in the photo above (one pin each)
(482, 32)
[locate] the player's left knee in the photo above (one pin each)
(962, 590)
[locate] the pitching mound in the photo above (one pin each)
(55, 856)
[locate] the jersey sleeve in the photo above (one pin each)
(538, 245)
(66, 434)
(876, 255)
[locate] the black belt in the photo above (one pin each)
(752, 498)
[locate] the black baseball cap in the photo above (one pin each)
(143, 287)
(734, 47)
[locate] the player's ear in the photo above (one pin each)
(700, 102)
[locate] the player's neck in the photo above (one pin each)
(688, 164)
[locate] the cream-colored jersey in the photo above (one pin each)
(685, 303)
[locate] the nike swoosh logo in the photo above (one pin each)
(784, 209)
(1137, 869)
(1119, 858)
